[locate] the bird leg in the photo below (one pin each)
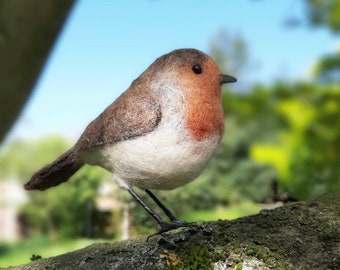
(162, 206)
(165, 226)
(146, 208)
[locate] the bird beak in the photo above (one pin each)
(227, 79)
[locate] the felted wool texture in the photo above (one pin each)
(165, 158)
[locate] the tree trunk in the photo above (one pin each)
(295, 236)
(28, 30)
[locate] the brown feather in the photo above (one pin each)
(55, 173)
(133, 114)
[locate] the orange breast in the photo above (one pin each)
(204, 115)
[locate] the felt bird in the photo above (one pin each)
(158, 135)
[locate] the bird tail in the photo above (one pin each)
(55, 173)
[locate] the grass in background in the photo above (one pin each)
(21, 252)
(231, 212)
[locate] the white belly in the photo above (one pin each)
(162, 159)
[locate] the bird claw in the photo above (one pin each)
(165, 227)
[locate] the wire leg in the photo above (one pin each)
(165, 227)
(162, 206)
(155, 216)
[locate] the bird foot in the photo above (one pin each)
(165, 227)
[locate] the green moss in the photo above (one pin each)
(198, 257)
(238, 267)
(265, 255)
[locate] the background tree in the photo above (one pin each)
(327, 69)
(324, 13)
(66, 211)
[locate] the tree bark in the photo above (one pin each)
(28, 30)
(295, 236)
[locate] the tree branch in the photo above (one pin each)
(295, 236)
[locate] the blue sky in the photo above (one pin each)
(106, 44)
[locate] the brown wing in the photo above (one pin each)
(131, 115)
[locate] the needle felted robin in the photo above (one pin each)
(159, 134)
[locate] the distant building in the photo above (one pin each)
(108, 201)
(12, 196)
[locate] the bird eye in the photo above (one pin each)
(197, 69)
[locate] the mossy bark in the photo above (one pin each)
(295, 236)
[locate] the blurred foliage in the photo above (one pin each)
(327, 69)
(307, 145)
(20, 159)
(68, 210)
(230, 52)
(324, 13)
